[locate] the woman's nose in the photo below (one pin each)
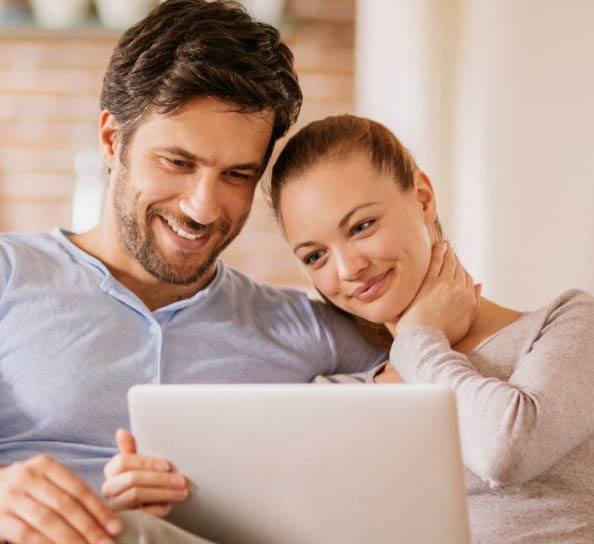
(350, 264)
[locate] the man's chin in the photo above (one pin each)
(184, 276)
(171, 269)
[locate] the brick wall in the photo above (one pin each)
(49, 86)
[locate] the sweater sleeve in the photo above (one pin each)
(512, 431)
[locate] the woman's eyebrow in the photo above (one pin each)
(298, 246)
(349, 214)
(341, 224)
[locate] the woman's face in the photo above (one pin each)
(364, 241)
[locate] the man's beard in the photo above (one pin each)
(139, 241)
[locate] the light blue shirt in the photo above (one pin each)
(73, 340)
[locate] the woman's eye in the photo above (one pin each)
(362, 227)
(313, 258)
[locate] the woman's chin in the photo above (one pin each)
(378, 315)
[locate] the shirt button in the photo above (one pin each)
(154, 328)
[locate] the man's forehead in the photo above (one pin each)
(208, 127)
(214, 108)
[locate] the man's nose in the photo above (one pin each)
(350, 264)
(201, 200)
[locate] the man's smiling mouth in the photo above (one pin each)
(183, 233)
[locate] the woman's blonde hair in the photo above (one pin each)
(337, 137)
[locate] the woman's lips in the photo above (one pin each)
(373, 288)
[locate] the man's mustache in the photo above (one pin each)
(188, 224)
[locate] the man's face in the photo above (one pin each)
(185, 188)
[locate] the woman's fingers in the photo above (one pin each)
(448, 269)
(478, 289)
(122, 482)
(477, 297)
(468, 281)
(437, 255)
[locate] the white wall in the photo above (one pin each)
(403, 78)
(496, 99)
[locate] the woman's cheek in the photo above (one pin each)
(384, 246)
(326, 281)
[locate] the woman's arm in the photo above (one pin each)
(514, 430)
(369, 376)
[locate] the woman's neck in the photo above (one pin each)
(490, 319)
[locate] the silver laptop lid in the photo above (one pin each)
(309, 464)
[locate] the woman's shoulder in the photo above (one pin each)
(573, 301)
(571, 314)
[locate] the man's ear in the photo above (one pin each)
(425, 197)
(109, 138)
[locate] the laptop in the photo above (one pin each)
(308, 463)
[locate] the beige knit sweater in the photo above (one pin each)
(526, 410)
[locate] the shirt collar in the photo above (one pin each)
(61, 235)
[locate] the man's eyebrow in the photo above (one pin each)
(341, 224)
(181, 152)
(174, 150)
(246, 166)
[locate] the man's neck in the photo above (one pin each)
(130, 273)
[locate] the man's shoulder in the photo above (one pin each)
(27, 240)
(243, 289)
(292, 304)
(291, 314)
(17, 245)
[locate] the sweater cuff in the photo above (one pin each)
(414, 349)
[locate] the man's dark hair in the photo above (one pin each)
(186, 49)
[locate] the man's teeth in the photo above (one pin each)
(181, 232)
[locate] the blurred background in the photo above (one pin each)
(495, 98)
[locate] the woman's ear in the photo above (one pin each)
(108, 138)
(425, 197)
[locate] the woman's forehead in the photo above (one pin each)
(320, 198)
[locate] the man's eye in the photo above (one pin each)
(362, 227)
(238, 175)
(178, 163)
(313, 258)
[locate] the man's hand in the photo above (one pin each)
(448, 298)
(42, 502)
(138, 481)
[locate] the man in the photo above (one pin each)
(193, 100)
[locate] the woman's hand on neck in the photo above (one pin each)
(447, 300)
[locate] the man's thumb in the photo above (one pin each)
(125, 441)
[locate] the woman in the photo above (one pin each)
(361, 217)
